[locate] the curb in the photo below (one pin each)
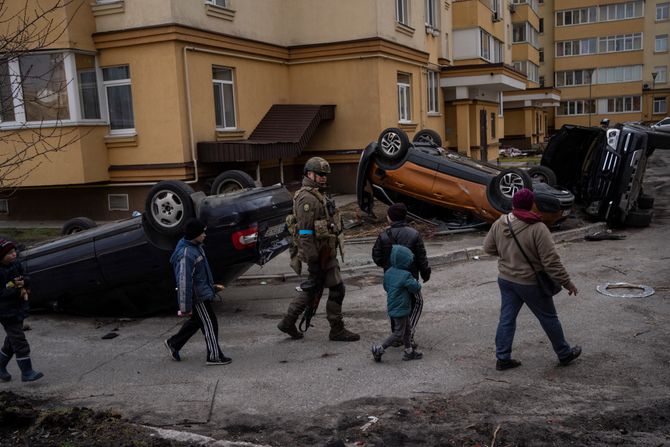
(460, 255)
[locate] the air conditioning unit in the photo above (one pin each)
(512, 8)
(495, 17)
(645, 87)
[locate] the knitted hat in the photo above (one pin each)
(397, 211)
(523, 199)
(5, 247)
(193, 229)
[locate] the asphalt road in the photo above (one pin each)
(274, 379)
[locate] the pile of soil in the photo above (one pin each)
(35, 423)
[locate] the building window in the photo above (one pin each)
(402, 12)
(662, 11)
(541, 81)
(577, 16)
(620, 42)
(661, 74)
(224, 98)
(576, 47)
(404, 97)
(220, 3)
(621, 11)
(6, 94)
(432, 14)
(48, 88)
(612, 75)
(4, 206)
(541, 26)
(660, 105)
(524, 32)
(576, 107)
(89, 99)
(44, 87)
(493, 125)
(661, 43)
(623, 104)
(541, 51)
(117, 202)
(116, 81)
(446, 45)
(490, 48)
(433, 92)
(531, 70)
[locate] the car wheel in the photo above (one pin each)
(508, 182)
(428, 136)
(645, 202)
(542, 174)
(639, 218)
(168, 206)
(230, 181)
(393, 144)
(77, 224)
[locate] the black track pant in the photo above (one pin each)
(15, 341)
(204, 319)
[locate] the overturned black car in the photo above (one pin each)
(604, 168)
(123, 268)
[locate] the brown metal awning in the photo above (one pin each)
(282, 133)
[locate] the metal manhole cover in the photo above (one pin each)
(624, 290)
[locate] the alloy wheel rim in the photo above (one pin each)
(510, 183)
(391, 144)
(167, 208)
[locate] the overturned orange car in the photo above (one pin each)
(438, 183)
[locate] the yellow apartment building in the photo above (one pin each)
(131, 92)
(608, 58)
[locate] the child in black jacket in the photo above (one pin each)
(13, 310)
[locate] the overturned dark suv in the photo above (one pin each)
(604, 168)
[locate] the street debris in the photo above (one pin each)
(604, 235)
(371, 421)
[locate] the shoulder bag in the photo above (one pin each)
(547, 286)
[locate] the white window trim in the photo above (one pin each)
(72, 88)
(660, 7)
(660, 38)
(659, 102)
(402, 13)
(116, 83)
(661, 69)
(226, 3)
(433, 83)
(405, 92)
(232, 83)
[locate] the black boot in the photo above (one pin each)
(4, 360)
(288, 327)
(28, 374)
(339, 333)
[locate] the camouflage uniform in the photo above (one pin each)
(319, 234)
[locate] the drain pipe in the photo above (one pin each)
(190, 116)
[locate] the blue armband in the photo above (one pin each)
(301, 232)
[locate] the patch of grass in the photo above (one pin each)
(29, 236)
(534, 159)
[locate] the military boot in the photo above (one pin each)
(288, 327)
(4, 360)
(339, 333)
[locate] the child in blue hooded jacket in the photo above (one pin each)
(399, 285)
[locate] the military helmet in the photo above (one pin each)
(318, 165)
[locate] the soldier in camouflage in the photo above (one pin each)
(318, 233)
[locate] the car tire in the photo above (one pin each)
(638, 218)
(168, 206)
(77, 224)
(542, 174)
(645, 202)
(231, 181)
(393, 144)
(428, 136)
(508, 182)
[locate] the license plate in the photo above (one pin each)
(566, 212)
(274, 230)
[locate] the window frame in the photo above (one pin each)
(404, 90)
(661, 69)
(402, 12)
(119, 83)
(433, 91)
(660, 8)
(222, 82)
(72, 89)
(226, 3)
(662, 103)
(432, 14)
(660, 38)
